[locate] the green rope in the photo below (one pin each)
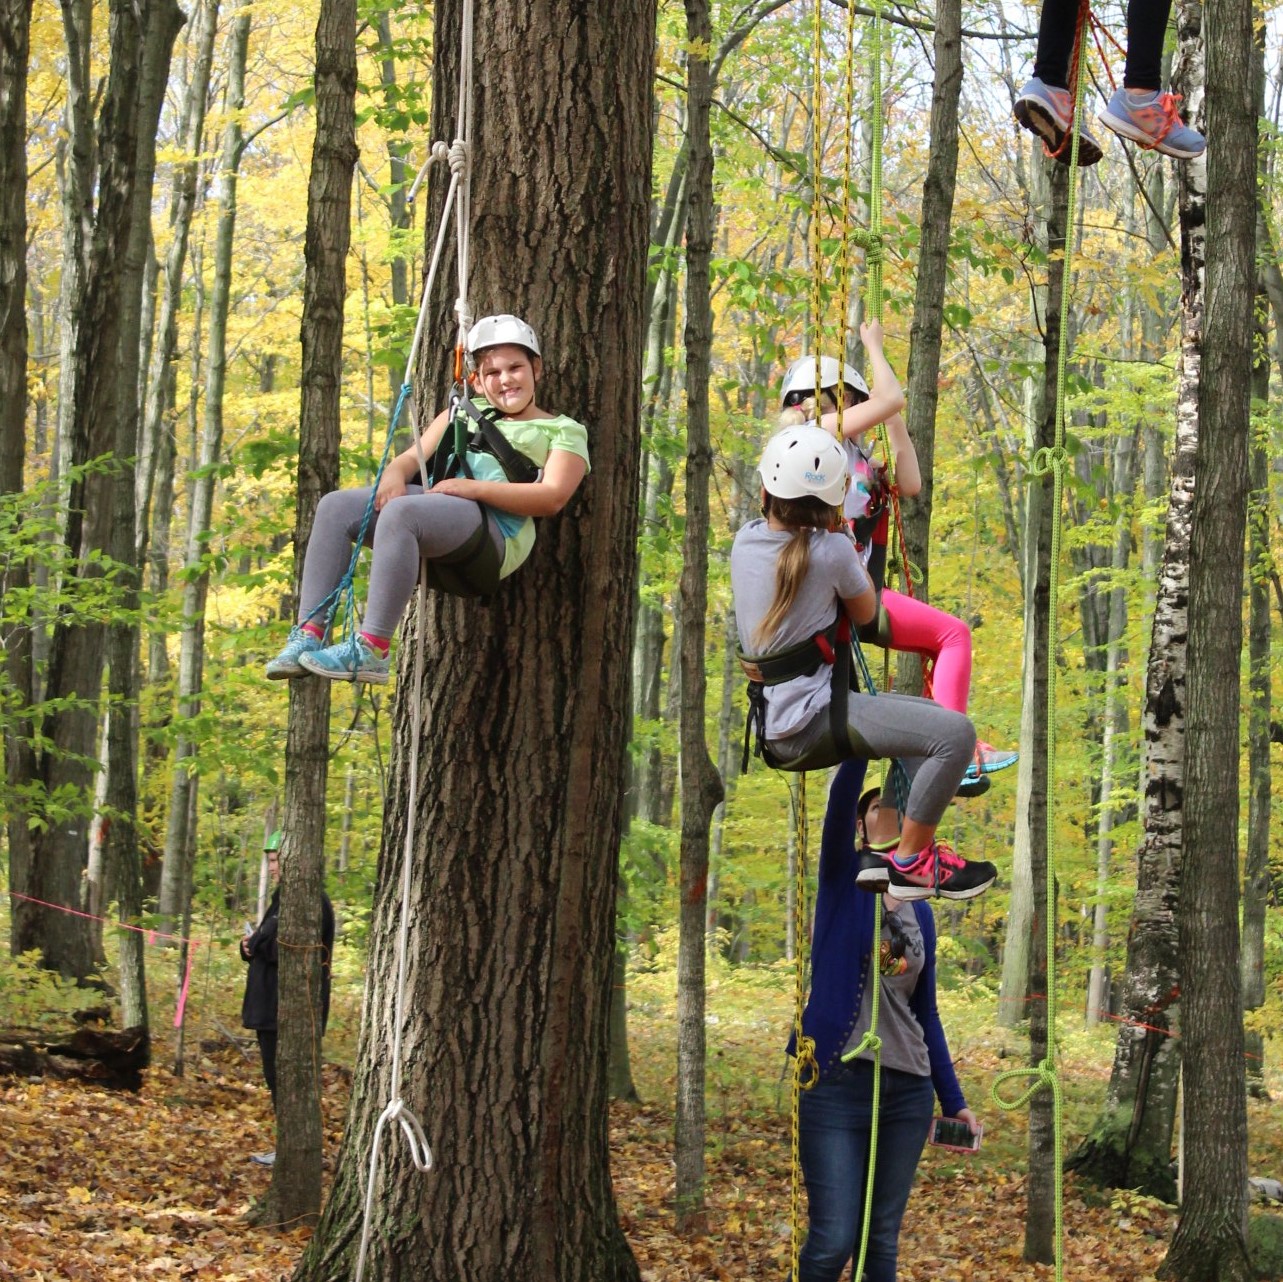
(1051, 462)
(871, 1042)
(874, 259)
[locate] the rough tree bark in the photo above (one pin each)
(1210, 1238)
(525, 707)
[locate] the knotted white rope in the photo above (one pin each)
(458, 202)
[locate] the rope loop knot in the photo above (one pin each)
(1044, 1078)
(459, 154)
(805, 1069)
(1048, 459)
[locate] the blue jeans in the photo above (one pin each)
(835, 1117)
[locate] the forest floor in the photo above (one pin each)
(100, 1186)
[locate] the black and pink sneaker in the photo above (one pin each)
(941, 872)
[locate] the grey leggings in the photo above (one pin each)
(934, 744)
(412, 526)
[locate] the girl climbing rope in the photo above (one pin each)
(521, 461)
(792, 571)
(1137, 110)
(903, 623)
(836, 1115)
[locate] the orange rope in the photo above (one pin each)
(1075, 66)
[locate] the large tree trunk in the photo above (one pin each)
(700, 782)
(510, 901)
(20, 764)
(922, 384)
(296, 1177)
(1210, 1238)
(1130, 1142)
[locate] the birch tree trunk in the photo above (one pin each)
(511, 901)
(1129, 1145)
(1210, 1237)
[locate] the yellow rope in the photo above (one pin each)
(805, 1069)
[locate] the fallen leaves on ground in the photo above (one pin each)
(104, 1186)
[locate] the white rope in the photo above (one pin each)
(458, 200)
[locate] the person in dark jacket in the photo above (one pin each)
(259, 949)
(835, 1115)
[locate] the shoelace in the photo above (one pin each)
(1166, 108)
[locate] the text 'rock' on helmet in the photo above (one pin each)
(804, 462)
(799, 378)
(495, 331)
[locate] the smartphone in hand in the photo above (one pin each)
(954, 1134)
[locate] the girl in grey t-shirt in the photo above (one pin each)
(792, 570)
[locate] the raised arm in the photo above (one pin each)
(885, 399)
(908, 475)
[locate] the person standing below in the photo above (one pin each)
(835, 1116)
(260, 949)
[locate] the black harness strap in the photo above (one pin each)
(831, 647)
(450, 458)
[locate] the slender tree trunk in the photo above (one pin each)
(163, 22)
(1041, 642)
(296, 1177)
(922, 384)
(700, 782)
(1048, 208)
(180, 840)
(511, 957)
(1210, 1238)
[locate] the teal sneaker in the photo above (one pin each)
(353, 660)
(286, 665)
(1047, 111)
(1153, 120)
(989, 760)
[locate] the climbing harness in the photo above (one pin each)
(458, 202)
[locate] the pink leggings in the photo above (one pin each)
(917, 628)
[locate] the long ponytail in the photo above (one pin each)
(803, 516)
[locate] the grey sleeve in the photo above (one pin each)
(849, 575)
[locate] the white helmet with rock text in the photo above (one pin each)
(495, 331)
(804, 462)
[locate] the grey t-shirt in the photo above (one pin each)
(904, 1046)
(835, 572)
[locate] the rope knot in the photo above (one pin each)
(459, 154)
(805, 1069)
(440, 151)
(1048, 459)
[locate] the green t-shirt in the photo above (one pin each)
(534, 438)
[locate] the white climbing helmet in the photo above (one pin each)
(804, 462)
(494, 331)
(800, 376)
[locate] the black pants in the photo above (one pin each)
(1146, 28)
(267, 1049)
